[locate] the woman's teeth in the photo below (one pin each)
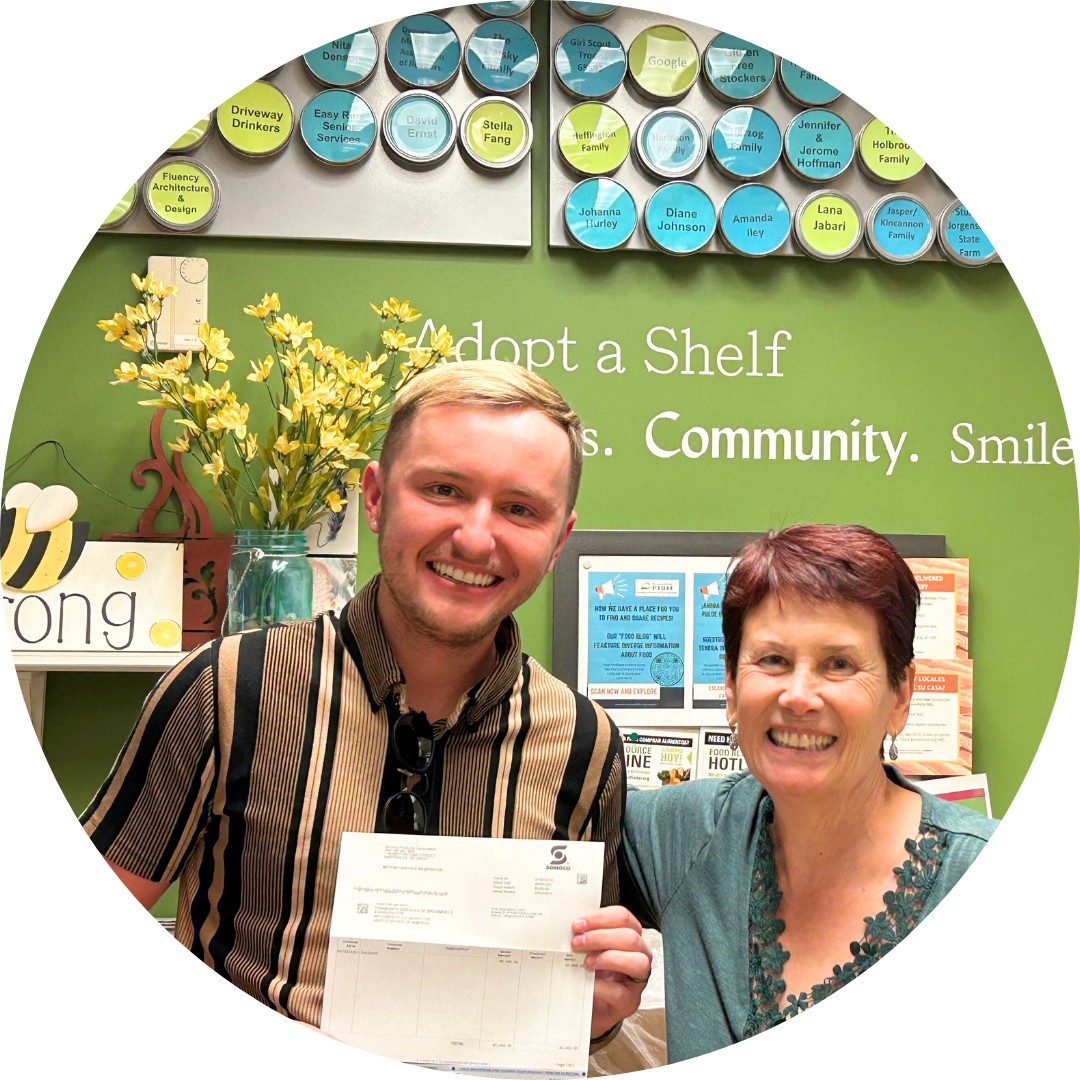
(454, 574)
(791, 741)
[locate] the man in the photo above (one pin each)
(255, 753)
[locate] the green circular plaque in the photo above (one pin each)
(123, 209)
(181, 195)
(664, 62)
(593, 139)
(257, 122)
(195, 135)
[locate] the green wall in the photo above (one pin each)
(916, 349)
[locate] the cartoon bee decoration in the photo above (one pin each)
(39, 543)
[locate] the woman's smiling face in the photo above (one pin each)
(810, 696)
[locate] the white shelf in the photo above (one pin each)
(96, 661)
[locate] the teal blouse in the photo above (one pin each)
(697, 864)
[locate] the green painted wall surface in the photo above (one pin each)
(916, 349)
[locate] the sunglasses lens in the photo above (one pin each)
(414, 741)
(405, 813)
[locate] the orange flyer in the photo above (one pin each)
(937, 738)
(941, 628)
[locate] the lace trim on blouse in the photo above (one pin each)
(903, 908)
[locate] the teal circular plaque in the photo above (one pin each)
(345, 61)
(599, 214)
(423, 51)
(818, 145)
(679, 218)
(338, 127)
(501, 57)
(804, 87)
(737, 70)
(962, 239)
(419, 128)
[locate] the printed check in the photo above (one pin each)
(454, 952)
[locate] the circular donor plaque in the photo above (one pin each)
(419, 128)
(195, 135)
(599, 214)
(593, 139)
(754, 220)
(590, 62)
(828, 226)
(257, 122)
(338, 127)
(345, 61)
(679, 218)
(899, 229)
(124, 208)
(670, 143)
(181, 195)
(885, 157)
(501, 57)
(423, 51)
(587, 11)
(961, 239)
(737, 70)
(804, 87)
(745, 143)
(506, 9)
(663, 63)
(496, 133)
(818, 146)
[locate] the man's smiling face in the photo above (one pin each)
(471, 516)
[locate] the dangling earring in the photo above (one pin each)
(734, 744)
(893, 752)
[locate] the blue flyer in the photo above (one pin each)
(636, 647)
(709, 641)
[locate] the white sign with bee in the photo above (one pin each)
(64, 593)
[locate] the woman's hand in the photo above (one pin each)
(621, 959)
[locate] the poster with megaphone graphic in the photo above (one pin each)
(709, 641)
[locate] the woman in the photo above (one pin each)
(778, 885)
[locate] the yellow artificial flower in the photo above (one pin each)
(335, 502)
(285, 446)
(181, 361)
(330, 438)
(216, 354)
(153, 309)
(441, 341)
(133, 341)
(406, 313)
(137, 315)
(389, 308)
(215, 466)
(268, 305)
(324, 354)
(287, 328)
(182, 444)
(395, 339)
(125, 373)
(115, 328)
(191, 424)
(230, 417)
(293, 413)
(260, 371)
(150, 286)
(250, 447)
(420, 359)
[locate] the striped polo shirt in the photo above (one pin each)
(256, 752)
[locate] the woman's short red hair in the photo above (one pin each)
(834, 564)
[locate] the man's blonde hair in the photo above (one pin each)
(483, 384)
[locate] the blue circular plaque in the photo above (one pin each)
(754, 220)
(962, 239)
(737, 70)
(818, 145)
(419, 128)
(345, 61)
(504, 9)
(679, 218)
(899, 229)
(745, 143)
(670, 143)
(590, 62)
(501, 57)
(338, 127)
(423, 51)
(804, 87)
(582, 10)
(599, 214)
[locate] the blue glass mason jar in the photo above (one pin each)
(269, 579)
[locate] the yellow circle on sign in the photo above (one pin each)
(885, 156)
(165, 634)
(130, 565)
(829, 226)
(258, 121)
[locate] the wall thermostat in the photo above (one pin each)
(182, 314)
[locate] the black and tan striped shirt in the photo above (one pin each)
(254, 754)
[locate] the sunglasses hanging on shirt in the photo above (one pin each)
(412, 741)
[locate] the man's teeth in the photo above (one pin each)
(792, 741)
(468, 578)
